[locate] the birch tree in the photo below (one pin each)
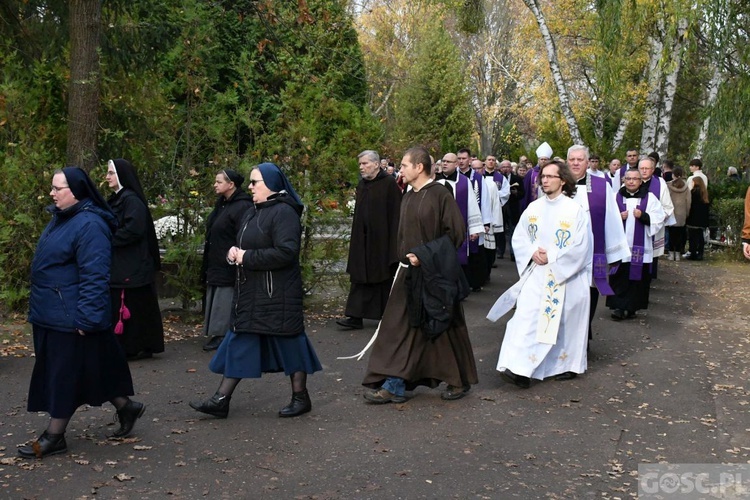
(493, 65)
(669, 90)
(655, 70)
(667, 41)
(716, 38)
(554, 66)
(708, 105)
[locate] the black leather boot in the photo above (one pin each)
(300, 404)
(217, 405)
(127, 415)
(47, 444)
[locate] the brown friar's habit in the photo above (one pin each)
(405, 352)
(372, 250)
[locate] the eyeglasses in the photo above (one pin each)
(58, 189)
(632, 179)
(253, 182)
(545, 176)
(110, 173)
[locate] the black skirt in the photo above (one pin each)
(71, 370)
(144, 331)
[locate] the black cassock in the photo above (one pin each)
(373, 256)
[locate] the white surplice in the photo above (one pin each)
(668, 213)
(656, 216)
(492, 213)
(563, 228)
(616, 244)
(616, 181)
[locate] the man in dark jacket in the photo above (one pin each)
(372, 248)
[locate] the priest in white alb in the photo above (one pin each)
(553, 244)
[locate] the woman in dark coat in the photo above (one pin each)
(135, 261)
(267, 334)
(221, 232)
(78, 361)
(697, 220)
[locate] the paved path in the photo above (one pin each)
(668, 386)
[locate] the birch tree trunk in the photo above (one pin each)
(83, 93)
(651, 112)
(620, 133)
(669, 89)
(554, 66)
(718, 41)
(599, 124)
(713, 92)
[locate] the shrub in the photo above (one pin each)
(729, 215)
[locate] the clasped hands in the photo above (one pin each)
(636, 213)
(235, 256)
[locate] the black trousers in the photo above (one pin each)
(697, 243)
(677, 238)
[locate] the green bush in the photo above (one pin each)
(729, 214)
(727, 190)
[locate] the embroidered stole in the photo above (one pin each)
(639, 238)
(499, 179)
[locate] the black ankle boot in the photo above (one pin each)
(300, 404)
(217, 405)
(127, 415)
(47, 444)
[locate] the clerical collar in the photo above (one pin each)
(467, 173)
(452, 177)
(642, 192)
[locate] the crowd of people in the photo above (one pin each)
(575, 231)
(424, 237)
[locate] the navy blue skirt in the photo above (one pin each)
(71, 370)
(249, 355)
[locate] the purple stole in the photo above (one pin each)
(654, 187)
(533, 184)
(598, 210)
(623, 169)
(498, 178)
(462, 198)
(637, 250)
(529, 185)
